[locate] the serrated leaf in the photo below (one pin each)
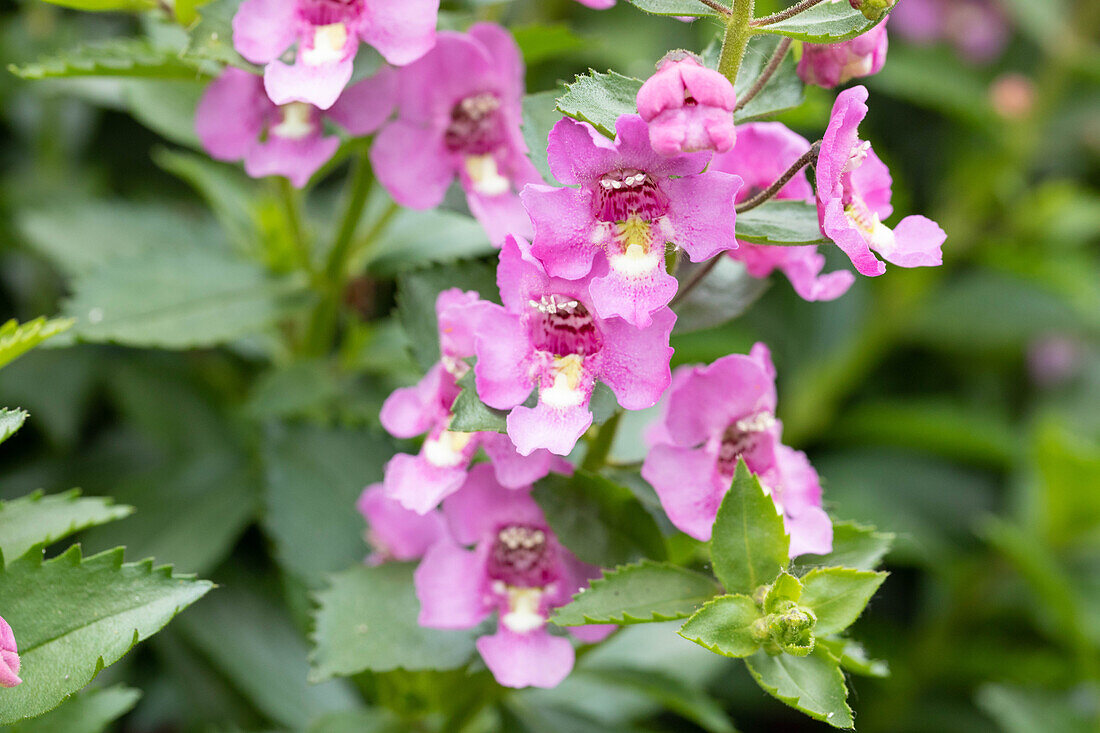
(640, 593)
(179, 298)
(39, 519)
(853, 657)
(74, 616)
(724, 626)
(781, 223)
(366, 620)
(691, 8)
(748, 546)
(812, 684)
(600, 99)
(116, 57)
(837, 596)
(17, 339)
(90, 711)
(783, 91)
(10, 422)
(540, 114)
(855, 545)
(470, 414)
(827, 22)
(785, 588)
(601, 522)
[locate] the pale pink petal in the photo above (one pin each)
(296, 159)
(366, 105)
(418, 485)
(230, 116)
(263, 29)
(401, 31)
(701, 209)
(513, 469)
(838, 227)
(395, 532)
(564, 229)
(319, 85)
(506, 56)
(533, 659)
(687, 483)
(449, 586)
(634, 297)
(801, 265)
(412, 411)
(503, 373)
(500, 215)
(556, 429)
(458, 314)
(811, 531)
(917, 243)
(636, 361)
(871, 181)
(592, 633)
(412, 163)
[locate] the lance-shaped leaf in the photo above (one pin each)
(39, 519)
(785, 588)
(748, 545)
(471, 415)
(117, 57)
(724, 626)
(855, 545)
(74, 616)
(828, 22)
(838, 595)
(10, 422)
(16, 339)
(782, 223)
(600, 99)
(687, 8)
(639, 593)
(366, 620)
(812, 684)
(601, 522)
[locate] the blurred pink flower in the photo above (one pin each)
(832, 64)
(978, 29)
(394, 532)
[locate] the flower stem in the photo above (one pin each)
(736, 38)
(784, 14)
(600, 447)
(810, 156)
(291, 206)
(765, 76)
(362, 179)
(715, 5)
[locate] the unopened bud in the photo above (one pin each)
(872, 9)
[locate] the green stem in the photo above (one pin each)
(291, 208)
(738, 32)
(362, 179)
(600, 447)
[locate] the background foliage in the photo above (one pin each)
(956, 406)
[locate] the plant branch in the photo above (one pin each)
(291, 204)
(361, 181)
(600, 447)
(736, 38)
(784, 14)
(697, 278)
(765, 76)
(714, 5)
(810, 156)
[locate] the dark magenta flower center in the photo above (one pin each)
(328, 12)
(627, 194)
(740, 438)
(563, 326)
(522, 557)
(476, 126)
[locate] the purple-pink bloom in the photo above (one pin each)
(630, 202)
(597, 4)
(516, 568)
(764, 152)
(420, 482)
(831, 64)
(459, 114)
(328, 33)
(394, 532)
(714, 416)
(235, 120)
(9, 657)
(853, 197)
(979, 29)
(548, 336)
(688, 107)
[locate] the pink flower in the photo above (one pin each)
(631, 203)
(979, 29)
(459, 114)
(714, 416)
(328, 33)
(548, 336)
(832, 64)
(688, 107)
(516, 568)
(236, 121)
(420, 482)
(853, 197)
(764, 152)
(9, 657)
(598, 4)
(394, 532)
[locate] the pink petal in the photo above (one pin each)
(556, 429)
(449, 586)
(418, 485)
(840, 137)
(412, 411)
(263, 29)
(500, 215)
(506, 56)
(401, 31)
(763, 152)
(564, 229)
(317, 85)
(297, 160)
(458, 314)
(512, 469)
(839, 228)
(688, 485)
(871, 181)
(701, 209)
(483, 505)
(400, 533)
(636, 361)
(534, 659)
(634, 297)
(503, 373)
(9, 656)
(801, 265)
(578, 154)
(230, 116)
(366, 105)
(412, 163)
(917, 243)
(811, 531)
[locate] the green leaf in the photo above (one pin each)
(212, 36)
(854, 546)
(724, 294)
(827, 22)
(670, 692)
(837, 596)
(724, 626)
(314, 476)
(600, 99)
(74, 616)
(167, 108)
(90, 711)
(785, 588)
(11, 421)
(416, 295)
(127, 6)
(748, 546)
(228, 191)
(691, 8)
(853, 657)
(784, 223)
(783, 91)
(599, 520)
(17, 339)
(368, 720)
(1023, 710)
(178, 298)
(419, 238)
(366, 620)
(640, 593)
(1069, 472)
(540, 114)
(541, 42)
(812, 684)
(39, 519)
(116, 57)
(471, 415)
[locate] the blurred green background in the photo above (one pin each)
(958, 406)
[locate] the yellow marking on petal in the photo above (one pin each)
(329, 42)
(446, 450)
(297, 121)
(486, 177)
(523, 610)
(567, 372)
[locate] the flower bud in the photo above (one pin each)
(872, 9)
(688, 107)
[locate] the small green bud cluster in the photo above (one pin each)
(872, 9)
(786, 626)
